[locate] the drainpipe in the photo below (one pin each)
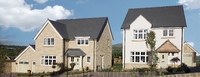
(94, 56)
(124, 49)
(181, 46)
(63, 52)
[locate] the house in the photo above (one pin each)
(168, 23)
(189, 55)
(87, 42)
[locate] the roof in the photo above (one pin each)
(92, 27)
(166, 47)
(186, 44)
(167, 16)
(30, 46)
(74, 52)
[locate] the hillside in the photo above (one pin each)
(11, 50)
(117, 46)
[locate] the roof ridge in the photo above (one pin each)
(82, 18)
(155, 7)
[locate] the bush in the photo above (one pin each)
(185, 68)
(169, 69)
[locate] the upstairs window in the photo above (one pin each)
(140, 34)
(168, 32)
(48, 41)
(82, 41)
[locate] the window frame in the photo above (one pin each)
(48, 41)
(168, 32)
(45, 58)
(90, 58)
(82, 41)
(140, 34)
(138, 57)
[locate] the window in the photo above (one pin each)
(21, 62)
(140, 34)
(163, 56)
(82, 41)
(48, 60)
(88, 59)
(72, 59)
(139, 57)
(172, 53)
(48, 41)
(168, 32)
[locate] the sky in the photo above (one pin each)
(20, 20)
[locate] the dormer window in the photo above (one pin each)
(139, 34)
(82, 40)
(48, 41)
(168, 32)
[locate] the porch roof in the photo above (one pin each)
(74, 52)
(166, 47)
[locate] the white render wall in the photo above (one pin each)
(139, 45)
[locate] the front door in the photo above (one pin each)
(164, 60)
(77, 63)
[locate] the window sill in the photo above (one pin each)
(168, 37)
(138, 40)
(48, 45)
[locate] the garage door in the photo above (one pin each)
(23, 66)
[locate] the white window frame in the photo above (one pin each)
(52, 59)
(82, 41)
(139, 34)
(138, 56)
(168, 32)
(49, 41)
(90, 58)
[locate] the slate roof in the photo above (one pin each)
(71, 28)
(167, 16)
(74, 52)
(166, 47)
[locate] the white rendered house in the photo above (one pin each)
(167, 22)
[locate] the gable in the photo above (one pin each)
(140, 23)
(27, 50)
(189, 49)
(47, 23)
(166, 47)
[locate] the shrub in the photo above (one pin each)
(169, 69)
(185, 68)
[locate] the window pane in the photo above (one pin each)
(132, 58)
(171, 32)
(164, 32)
(48, 41)
(88, 59)
(82, 41)
(137, 59)
(52, 41)
(21, 62)
(137, 53)
(78, 42)
(86, 42)
(142, 53)
(143, 58)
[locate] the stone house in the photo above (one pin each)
(87, 42)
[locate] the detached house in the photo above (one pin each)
(87, 42)
(167, 22)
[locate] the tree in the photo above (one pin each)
(152, 54)
(2, 61)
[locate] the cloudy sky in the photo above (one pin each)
(20, 20)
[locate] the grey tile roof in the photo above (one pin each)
(71, 28)
(74, 52)
(168, 16)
